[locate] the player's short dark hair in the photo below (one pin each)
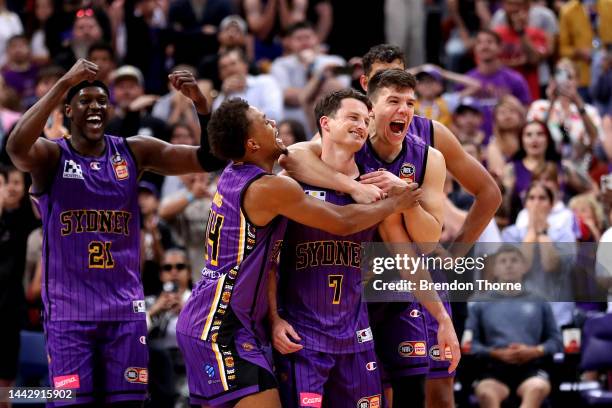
(381, 53)
(85, 84)
(228, 129)
(17, 37)
(300, 25)
(330, 103)
(102, 46)
(390, 78)
(492, 33)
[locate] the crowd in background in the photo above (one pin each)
(526, 86)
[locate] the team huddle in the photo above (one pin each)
(277, 318)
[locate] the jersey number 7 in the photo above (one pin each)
(335, 281)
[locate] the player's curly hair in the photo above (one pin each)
(381, 53)
(228, 129)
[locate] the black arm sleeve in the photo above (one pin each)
(205, 157)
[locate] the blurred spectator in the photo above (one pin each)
(10, 25)
(194, 24)
(32, 279)
(508, 121)
(540, 17)
(430, 86)
(180, 133)
(589, 215)
(16, 222)
(603, 266)
(19, 72)
(291, 131)
(143, 39)
(580, 23)
(260, 91)
(155, 236)
(266, 23)
(601, 80)
(292, 72)
(131, 113)
(103, 55)
(405, 27)
(174, 107)
(186, 212)
(573, 123)
(233, 33)
(467, 17)
(43, 10)
(162, 315)
(496, 79)
(320, 14)
(515, 334)
(524, 46)
(537, 149)
(86, 31)
(46, 78)
(8, 117)
(467, 123)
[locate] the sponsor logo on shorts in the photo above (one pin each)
(143, 340)
(364, 335)
(229, 362)
(136, 375)
(415, 313)
(139, 306)
(369, 402)
(214, 336)
(209, 370)
(231, 377)
(67, 381)
(434, 353)
(310, 399)
(371, 366)
(412, 349)
(247, 346)
(226, 296)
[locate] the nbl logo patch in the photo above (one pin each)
(434, 353)
(412, 349)
(72, 170)
(407, 172)
(370, 402)
(136, 375)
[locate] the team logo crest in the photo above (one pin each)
(407, 172)
(72, 170)
(120, 167)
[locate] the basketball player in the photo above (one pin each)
(221, 328)
(303, 165)
(86, 190)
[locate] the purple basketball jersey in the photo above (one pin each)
(233, 288)
(320, 284)
(409, 165)
(423, 128)
(91, 241)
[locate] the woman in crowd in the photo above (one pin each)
(509, 118)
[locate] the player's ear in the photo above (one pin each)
(324, 123)
(363, 81)
(68, 111)
(252, 145)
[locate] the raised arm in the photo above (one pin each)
(474, 178)
(277, 195)
(304, 163)
(38, 155)
(392, 231)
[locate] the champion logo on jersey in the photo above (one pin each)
(320, 195)
(72, 170)
(364, 335)
(95, 165)
(371, 366)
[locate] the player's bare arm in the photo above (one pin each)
(392, 231)
(276, 195)
(304, 163)
(30, 152)
(165, 158)
(284, 336)
(474, 178)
